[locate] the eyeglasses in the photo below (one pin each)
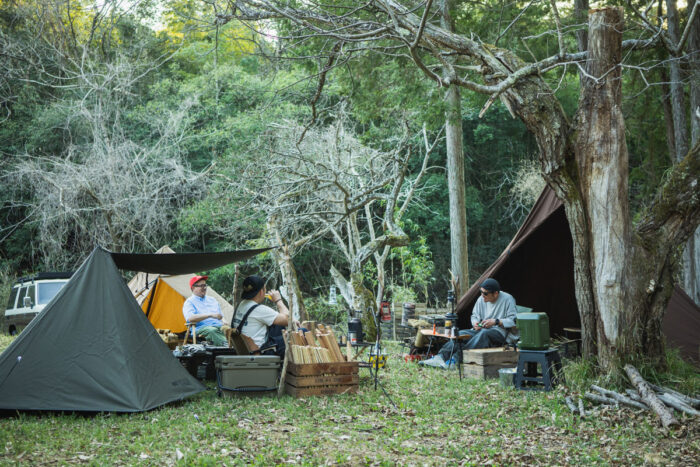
(485, 293)
(203, 286)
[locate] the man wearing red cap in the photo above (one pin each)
(204, 312)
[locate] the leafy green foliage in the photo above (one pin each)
(237, 94)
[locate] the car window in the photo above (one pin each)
(13, 296)
(48, 290)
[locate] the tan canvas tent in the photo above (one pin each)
(537, 268)
(161, 297)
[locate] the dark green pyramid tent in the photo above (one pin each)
(93, 349)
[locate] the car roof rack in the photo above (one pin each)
(46, 275)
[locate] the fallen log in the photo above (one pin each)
(580, 408)
(570, 404)
(676, 403)
(691, 401)
(634, 395)
(619, 397)
(601, 399)
(650, 398)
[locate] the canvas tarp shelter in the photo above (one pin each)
(161, 297)
(92, 348)
(537, 268)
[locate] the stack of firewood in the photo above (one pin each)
(647, 396)
(320, 346)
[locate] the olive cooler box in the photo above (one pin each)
(247, 374)
(534, 331)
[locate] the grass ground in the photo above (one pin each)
(440, 421)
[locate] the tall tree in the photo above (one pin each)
(679, 123)
(329, 185)
(691, 254)
(455, 164)
(627, 323)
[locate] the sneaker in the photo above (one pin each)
(437, 361)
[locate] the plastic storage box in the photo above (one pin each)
(247, 374)
(534, 331)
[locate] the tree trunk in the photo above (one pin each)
(359, 298)
(691, 254)
(680, 128)
(455, 175)
(601, 155)
(290, 279)
(235, 292)
(363, 301)
(283, 258)
(581, 18)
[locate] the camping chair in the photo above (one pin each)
(243, 344)
(191, 328)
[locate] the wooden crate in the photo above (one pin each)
(320, 379)
(472, 370)
(493, 356)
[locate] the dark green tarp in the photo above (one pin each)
(92, 349)
(180, 263)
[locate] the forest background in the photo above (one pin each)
(132, 125)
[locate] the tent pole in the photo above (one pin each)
(150, 299)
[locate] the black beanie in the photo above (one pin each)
(491, 285)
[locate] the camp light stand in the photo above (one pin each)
(377, 351)
(452, 317)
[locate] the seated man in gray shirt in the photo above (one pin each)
(492, 316)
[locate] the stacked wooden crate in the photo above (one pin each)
(170, 338)
(485, 363)
(317, 366)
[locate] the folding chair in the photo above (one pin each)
(191, 329)
(243, 344)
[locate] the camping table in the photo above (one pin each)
(358, 349)
(431, 336)
(439, 335)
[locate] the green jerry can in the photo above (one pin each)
(534, 331)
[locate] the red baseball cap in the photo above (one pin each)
(196, 279)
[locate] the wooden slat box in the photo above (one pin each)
(492, 356)
(320, 379)
(472, 370)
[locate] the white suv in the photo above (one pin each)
(29, 295)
